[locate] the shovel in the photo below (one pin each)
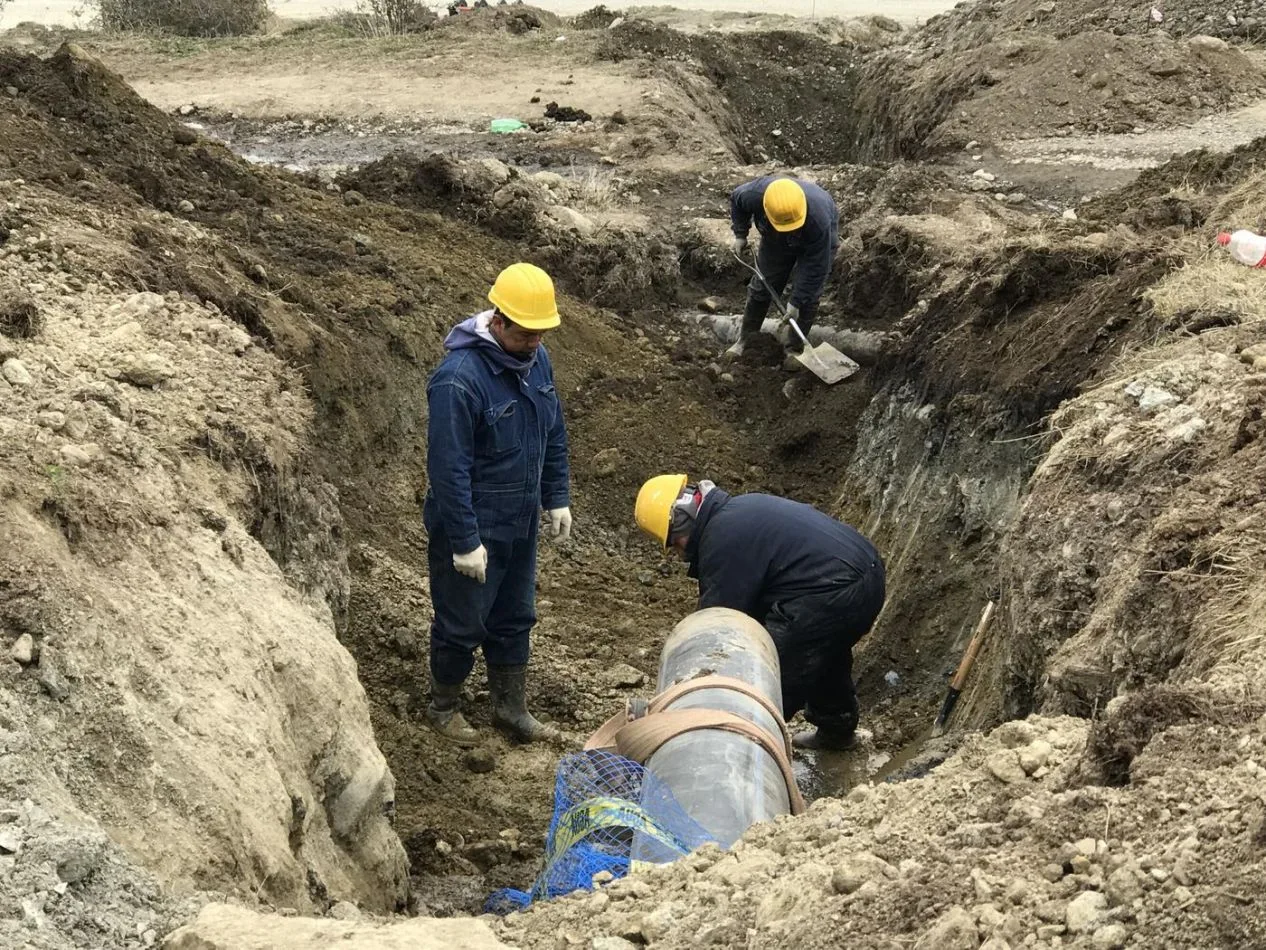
(824, 361)
(964, 667)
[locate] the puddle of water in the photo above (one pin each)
(823, 774)
(335, 150)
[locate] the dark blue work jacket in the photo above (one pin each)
(497, 444)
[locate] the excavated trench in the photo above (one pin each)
(927, 450)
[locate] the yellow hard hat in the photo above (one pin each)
(785, 205)
(525, 294)
(655, 504)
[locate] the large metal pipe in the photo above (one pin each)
(724, 781)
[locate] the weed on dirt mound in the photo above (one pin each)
(1129, 724)
(517, 19)
(595, 18)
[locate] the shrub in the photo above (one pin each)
(185, 17)
(388, 17)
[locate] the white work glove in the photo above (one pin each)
(738, 245)
(474, 565)
(792, 313)
(560, 524)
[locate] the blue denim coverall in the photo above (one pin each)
(496, 455)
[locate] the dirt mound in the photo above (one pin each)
(517, 19)
(595, 18)
(997, 847)
(788, 92)
(981, 74)
(135, 698)
(66, 884)
(1167, 449)
(609, 265)
(1184, 190)
(1178, 18)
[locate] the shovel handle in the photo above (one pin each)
(795, 326)
(772, 293)
(973, 648)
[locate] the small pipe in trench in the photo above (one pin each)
(860, 345)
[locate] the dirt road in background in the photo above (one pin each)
(68, 12)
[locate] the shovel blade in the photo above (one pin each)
(827, 363)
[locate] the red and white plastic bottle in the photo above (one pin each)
(1246, 247)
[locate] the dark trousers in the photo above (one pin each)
(497, 615)
(815, 635)
(776, 264)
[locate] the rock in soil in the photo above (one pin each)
(480, 760)
(15, 371)
(23, 649)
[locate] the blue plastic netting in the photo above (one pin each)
(609, 812)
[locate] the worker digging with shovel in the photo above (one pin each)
(799, 227)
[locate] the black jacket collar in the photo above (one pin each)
(716, 498)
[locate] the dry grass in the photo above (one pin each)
(184, 17)
(1245, 205)
(1211, 282)
(594, 190)
(377, 18)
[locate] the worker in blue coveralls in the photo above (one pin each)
(799, 227)
(816, 584)
(496, 457)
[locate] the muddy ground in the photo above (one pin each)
(987, 250)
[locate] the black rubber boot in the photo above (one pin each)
(833, 733)
(444, 714)
(753, 316)
(820, 738)
(507, 686)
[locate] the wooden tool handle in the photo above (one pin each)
(973, 648)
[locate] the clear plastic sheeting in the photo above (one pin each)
(724, 781)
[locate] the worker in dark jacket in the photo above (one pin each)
(815, 583)
(496, 456)
(799, 228)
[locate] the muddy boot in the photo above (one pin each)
(508, 688)
(823, 739)
(445, 717)
(753, 316)
(834, 733)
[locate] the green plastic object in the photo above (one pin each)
(506, 125)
